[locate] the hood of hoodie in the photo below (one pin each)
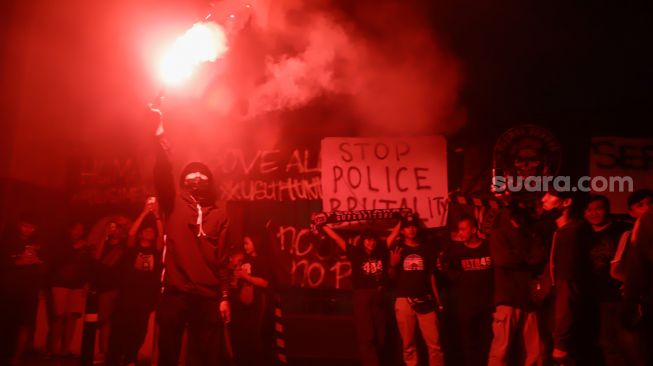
(206, 194)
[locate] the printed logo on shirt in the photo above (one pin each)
(372, 267)
(413, 262)
(476, 264)
(144, 262)
(247, 268)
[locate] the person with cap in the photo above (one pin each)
(369, 265)
(570, 271)
(196, 273)
(412, 266)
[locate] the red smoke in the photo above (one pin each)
(384, 57)
(81, 73)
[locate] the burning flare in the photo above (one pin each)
(205, 41)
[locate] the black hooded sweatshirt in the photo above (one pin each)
(518, 256)
(195, 229)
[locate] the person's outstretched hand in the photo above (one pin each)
(395, 256)
(225, 311)
(154, 118)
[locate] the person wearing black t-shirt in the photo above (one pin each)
(469, 267)
(369, 263)
(412, 265)
(70, 266)
(21, 277)
(109, 256)
(138, 289)
(251, 275)
(619, 346)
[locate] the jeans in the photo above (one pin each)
(508, 323)
(370, 321)
(407, 319)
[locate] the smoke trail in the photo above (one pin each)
(383, 57)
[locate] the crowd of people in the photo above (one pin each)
(123, 270)
(561, 282)
(558, 280)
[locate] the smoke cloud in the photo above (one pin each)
(383, 57)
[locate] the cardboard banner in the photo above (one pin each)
(384, 173)
(622, 157)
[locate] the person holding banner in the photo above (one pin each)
(412, 264)
(369, 263)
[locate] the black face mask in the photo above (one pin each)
(198, 188)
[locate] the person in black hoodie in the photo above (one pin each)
(570, 269)
(139, 287)
(196, 273)
(518, 256)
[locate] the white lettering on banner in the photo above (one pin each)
(309, 268)
(382, 173)
(269, 175)
(622, 157)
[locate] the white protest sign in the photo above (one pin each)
(379, 173)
